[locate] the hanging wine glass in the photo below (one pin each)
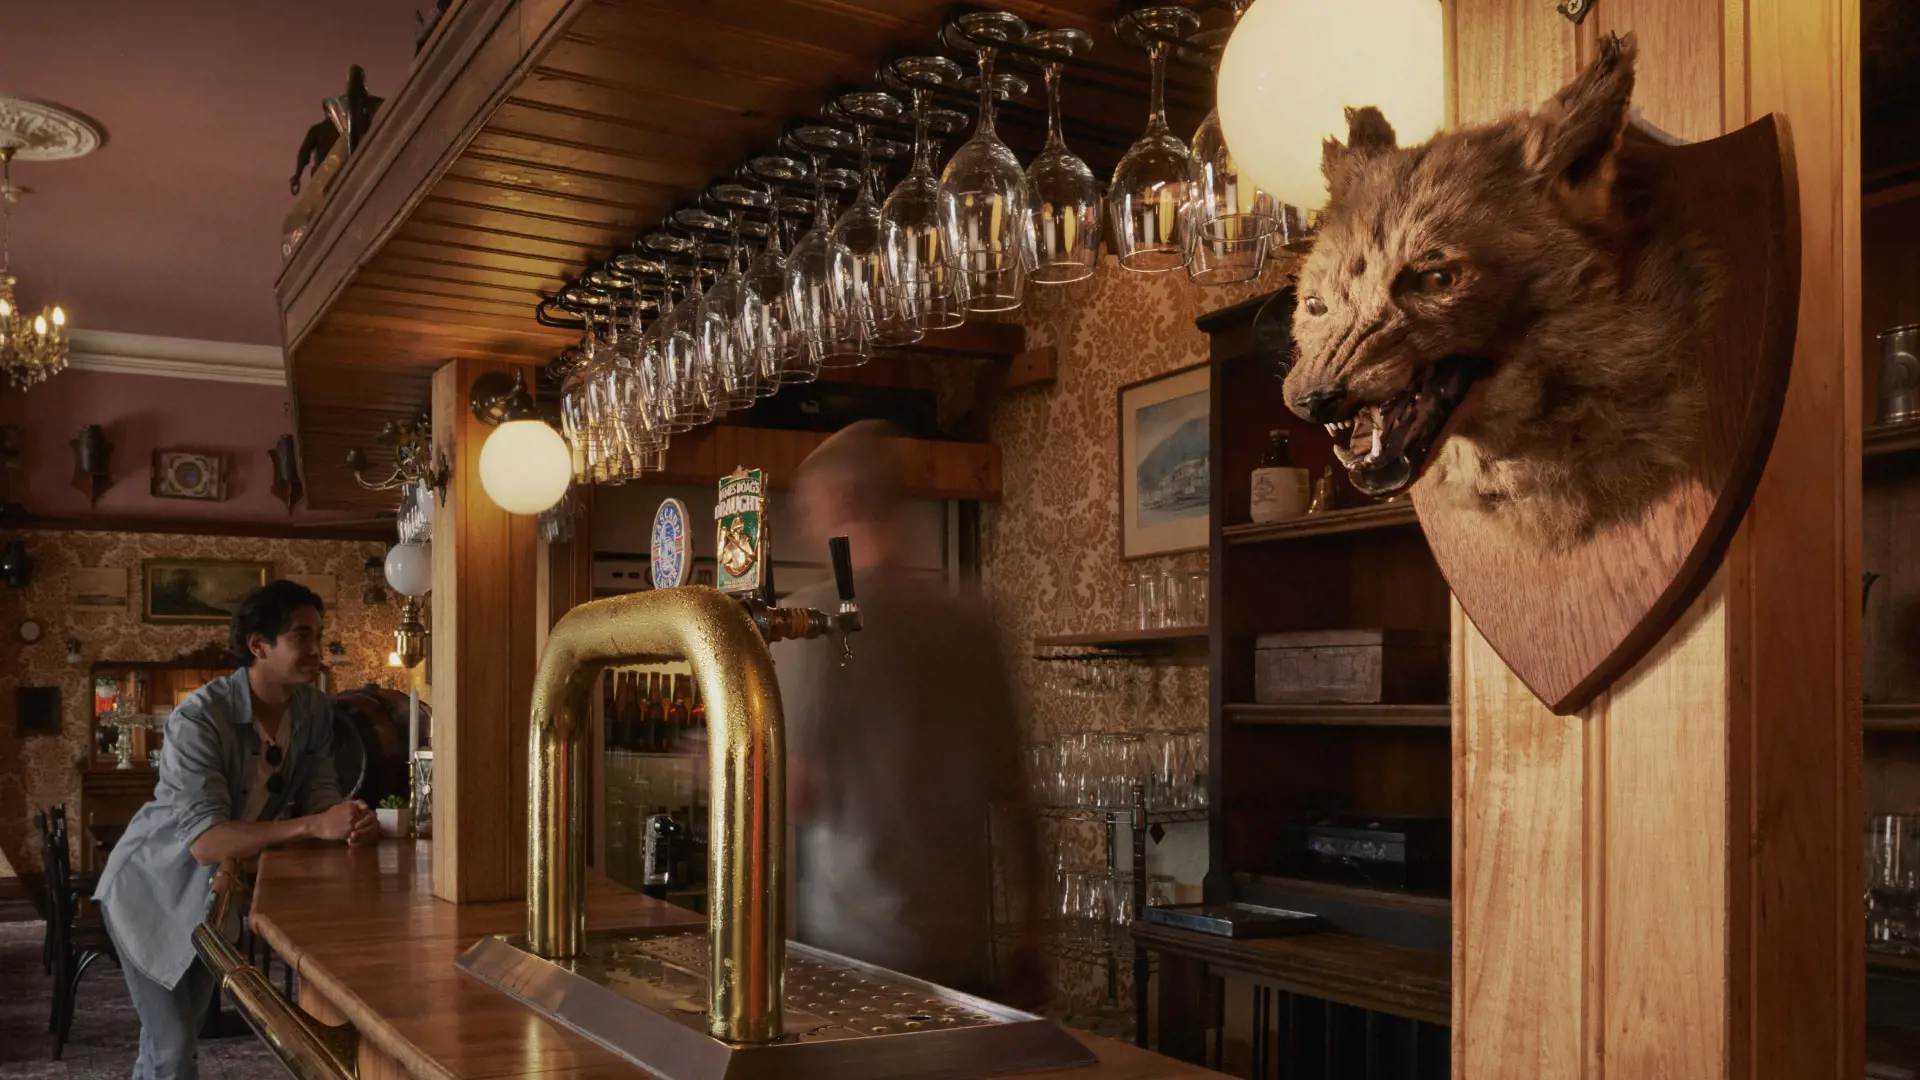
(1148, 196)
(783, 360)
(929, 288)
(880, 315)
(983, 191)
(1234, 222)
(1063, 199)
(820, 272)
(738, 363)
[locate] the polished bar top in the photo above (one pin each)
(364, 930)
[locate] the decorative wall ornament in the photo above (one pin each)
(190, 474)
(92, 463)
(197, 590)
(1571, 338)
(1165, 496)
(286, 472)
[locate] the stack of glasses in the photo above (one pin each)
(1102, 769)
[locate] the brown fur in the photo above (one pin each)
(1581, 303)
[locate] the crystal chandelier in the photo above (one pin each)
(31, 350)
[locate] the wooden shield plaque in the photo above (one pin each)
(1570, 622)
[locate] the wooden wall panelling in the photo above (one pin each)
(1659, 887)
(486, 616)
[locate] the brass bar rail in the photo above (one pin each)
(308, 1049)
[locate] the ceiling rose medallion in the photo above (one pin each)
(34, 349)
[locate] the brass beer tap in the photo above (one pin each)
(792, 624)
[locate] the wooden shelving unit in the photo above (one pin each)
(1340, 715)
(1357, 519)
(1893, 716)
(1881, 440)
(1126, 639)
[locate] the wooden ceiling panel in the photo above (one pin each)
(500, 141)
(429, 232)
(395, 260)
(640, 135)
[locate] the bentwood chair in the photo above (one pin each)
(76, 934)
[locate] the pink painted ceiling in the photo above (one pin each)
(173, 226)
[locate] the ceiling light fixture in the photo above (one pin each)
(34, 349)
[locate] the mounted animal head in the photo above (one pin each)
(1495, 313)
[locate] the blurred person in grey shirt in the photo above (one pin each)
(247, 763)
(895, 759)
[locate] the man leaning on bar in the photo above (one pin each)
(247, 764)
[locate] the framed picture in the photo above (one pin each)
(190, 474)
(36, 710)
(98, 589)
(1166, 496)
(197, 590)
(325, 586)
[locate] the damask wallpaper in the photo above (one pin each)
(39, 771)
(1051, 547)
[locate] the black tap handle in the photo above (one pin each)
(842, 567)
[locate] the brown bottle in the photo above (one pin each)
(697, 715)
(610, 709)
(656, 715)
(677, 714)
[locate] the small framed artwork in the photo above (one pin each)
(197, 590)
(36, 710)
(324, 586)
(190, 474)
(98, 589)
(1166, 492)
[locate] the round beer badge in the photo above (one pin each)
(671, 566)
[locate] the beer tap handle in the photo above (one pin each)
(842, 555)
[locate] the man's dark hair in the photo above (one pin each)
(268, 611)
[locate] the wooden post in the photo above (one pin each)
(1668, 883)
(486, 615)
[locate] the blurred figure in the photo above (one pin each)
(894, 759)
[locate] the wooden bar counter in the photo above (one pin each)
(376, 949)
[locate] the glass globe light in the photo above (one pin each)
(524, 466)
(1293, 67)
(410, 569)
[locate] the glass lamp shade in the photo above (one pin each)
(524, 466)
(410, 569)
(1292, 68)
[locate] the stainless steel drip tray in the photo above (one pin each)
(643, 994)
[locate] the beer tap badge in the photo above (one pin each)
(672, 565)
(740, 516)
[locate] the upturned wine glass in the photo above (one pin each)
(1063, 199)
(983, 191)
(820, 273)
(928, 286)
(738, 366)
(862, 231)
(1233, 221)
(1147, 199)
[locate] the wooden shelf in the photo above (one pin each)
(1341, 715)
(1880, 440)
(1892, 716)
(1433, 903)
(1126, 639)
(1358, 519)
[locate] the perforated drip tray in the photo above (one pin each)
(643, 996)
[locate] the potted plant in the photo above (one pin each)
(395, 818)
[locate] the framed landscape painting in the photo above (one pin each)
(197, 590)
(1166, 491)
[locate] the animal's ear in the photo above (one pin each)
(1574, 139)
(1368, 134)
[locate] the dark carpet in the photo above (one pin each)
(106, 1034)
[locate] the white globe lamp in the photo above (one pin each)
(524, 466)
(410, 569)
(1292, 68)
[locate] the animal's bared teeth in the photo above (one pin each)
(1379, 422)
(1333, 429)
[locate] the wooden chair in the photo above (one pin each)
(76, 935)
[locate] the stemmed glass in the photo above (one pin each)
(1233, 221)
(1148, 196)
(783, 359)
(708, 324)
(983, 192)
(820, 273)
(738, 363)
(1063, 198)
(930, 290)
(862, 230)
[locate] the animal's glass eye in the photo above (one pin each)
(1316, 306)
(1432, 281)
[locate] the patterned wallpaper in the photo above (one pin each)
(1051, 557)
(42, 770)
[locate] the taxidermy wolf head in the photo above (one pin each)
(1497, 315)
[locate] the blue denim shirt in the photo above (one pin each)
(153, 890)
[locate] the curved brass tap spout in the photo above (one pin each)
(746, 873)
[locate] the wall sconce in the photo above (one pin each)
(286, 472)
(524, 466)
(91, 456)
(409, 570)
(16, 566)
(414, 460)
(73, 652)
(1292, 68)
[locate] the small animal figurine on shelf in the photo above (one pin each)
(1322, 493)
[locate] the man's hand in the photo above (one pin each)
(366, 827)
(339, 821)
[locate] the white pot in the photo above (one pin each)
(394, 822)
